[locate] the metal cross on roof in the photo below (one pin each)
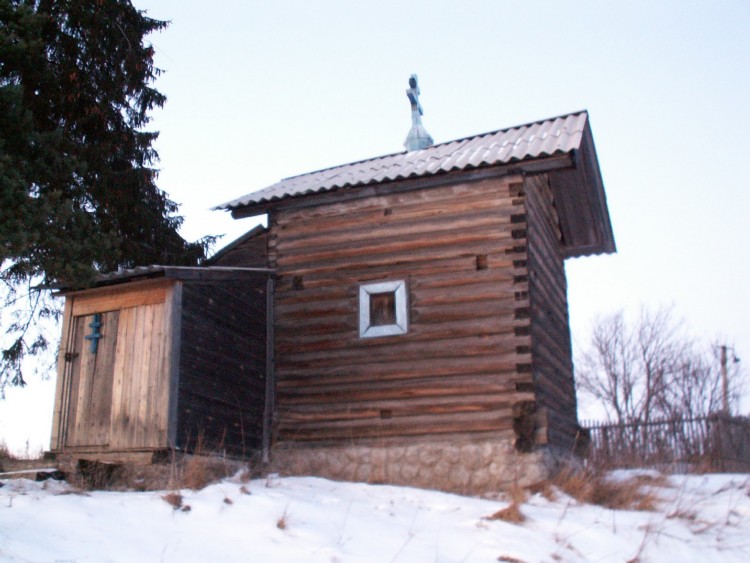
(413, 94)
(95, 335)
(418, 137)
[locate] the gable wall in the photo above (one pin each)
(250, 253)
(550, 329)
(465, 360)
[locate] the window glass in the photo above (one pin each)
(383, 309)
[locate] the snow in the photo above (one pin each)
(701, 518)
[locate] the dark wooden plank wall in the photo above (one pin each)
(466, 359)
(221, 388)
(550, 329)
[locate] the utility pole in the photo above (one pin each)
(724, 382)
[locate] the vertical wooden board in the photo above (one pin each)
(119, 376)
(137, 412)
(101, 409)
(171, 364)
(95, 388)
(72, 391)
(156, 406)
(127, 382)
(87, 363)
(149, 376)
(270, 399)
(123, 370)
(138, 377)
(63, 376)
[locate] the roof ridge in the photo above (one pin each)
(519, 126)
(433, 147)
(543, 137)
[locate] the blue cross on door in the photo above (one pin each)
(95, 335)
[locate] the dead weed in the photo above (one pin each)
(174, 499)
(596, 487)
(282, 522)
(511, 514)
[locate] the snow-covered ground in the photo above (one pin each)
(702, 518)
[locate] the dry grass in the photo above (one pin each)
(194, 470)
(173, 499)
(684, 514)
(595, 487)
(246, 474)
(511, 513)
(586, 486)
(198, 471)
(544, 488)
(282, 522)
(182, 471)
(195, 473)
(96, 475)
(516, 495)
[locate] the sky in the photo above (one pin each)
(697, 518)
(258, 91)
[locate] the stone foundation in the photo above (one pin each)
(473, 467)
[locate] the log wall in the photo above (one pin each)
(550, 328)
(465, 361)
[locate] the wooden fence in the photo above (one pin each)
(714, 443)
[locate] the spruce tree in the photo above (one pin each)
(78, 191)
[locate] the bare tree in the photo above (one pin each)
(30, 320)
(651, 369)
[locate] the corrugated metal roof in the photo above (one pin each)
(558, 135)
(174, 272)
(171, 271)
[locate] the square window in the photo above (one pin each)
(382, 309)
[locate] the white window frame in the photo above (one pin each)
(398, 288)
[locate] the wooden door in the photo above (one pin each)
(140, 396)
(91, 355)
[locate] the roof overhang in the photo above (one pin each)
(581, 203)
(349, 193)
(184, 273)
(561, 147)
